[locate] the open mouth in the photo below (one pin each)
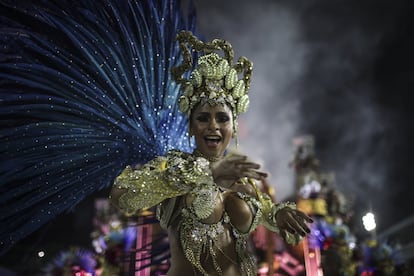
(212, 140)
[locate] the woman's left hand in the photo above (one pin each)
(293, 221)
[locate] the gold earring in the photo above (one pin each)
(234, 135)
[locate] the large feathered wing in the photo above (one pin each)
(85, 90)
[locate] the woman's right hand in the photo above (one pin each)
(233, 167)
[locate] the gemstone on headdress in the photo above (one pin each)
(214, 85)
(243, 104)
(239, 89)
(231, 78)
(196, 78)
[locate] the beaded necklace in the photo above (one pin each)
(212, 159)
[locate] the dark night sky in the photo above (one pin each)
(339, 70)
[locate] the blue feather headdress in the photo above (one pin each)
(85, 89)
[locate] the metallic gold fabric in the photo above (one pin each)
(269, 210)
(175, 174)
(198, 238)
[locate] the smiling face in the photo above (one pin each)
(212, 127)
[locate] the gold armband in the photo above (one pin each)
(269, 210)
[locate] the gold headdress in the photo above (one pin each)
(214, 79)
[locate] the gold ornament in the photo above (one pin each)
(213, 79)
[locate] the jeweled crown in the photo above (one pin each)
(214, 79)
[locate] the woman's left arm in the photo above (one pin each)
(283, 218)
(238, 175)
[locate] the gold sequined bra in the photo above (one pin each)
(200, 241)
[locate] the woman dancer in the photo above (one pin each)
(208, 200)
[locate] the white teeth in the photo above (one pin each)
(215, 138)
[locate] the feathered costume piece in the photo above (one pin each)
(85, 90)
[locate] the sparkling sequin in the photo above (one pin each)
(175, 174)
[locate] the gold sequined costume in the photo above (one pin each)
(165, 180)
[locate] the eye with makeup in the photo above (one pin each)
(223, 117)
(203, 117)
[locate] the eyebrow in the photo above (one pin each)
(208, 113)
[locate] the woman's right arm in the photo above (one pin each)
(168, 176)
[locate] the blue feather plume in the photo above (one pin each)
(85, 89)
